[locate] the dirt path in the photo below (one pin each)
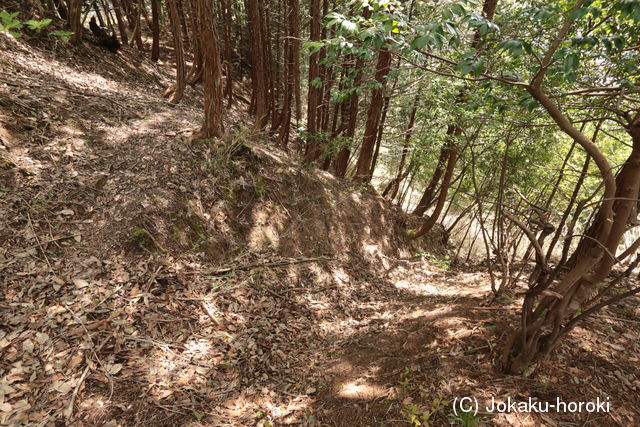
(115, 310)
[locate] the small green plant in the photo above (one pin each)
(421, 415)
(465, 419)
(37, 26)
(9, 23)
(442, 263)
(62, 35)
(416, 416)
(404, 380)
(140, 236)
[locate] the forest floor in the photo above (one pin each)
(151, 280)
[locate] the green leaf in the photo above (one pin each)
(478, 67)
(571, 62)
(419, 43)
(515, 47)
(528, 102)
(578, 14)
(37, 25)
(312, 46)
(458, 9)
(465, 67)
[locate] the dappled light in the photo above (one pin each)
(371, 213)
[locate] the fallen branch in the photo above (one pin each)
(46, 242)
(617, 319)
(272, 264)
(68, 412)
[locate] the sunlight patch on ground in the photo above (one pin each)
(424, 284)
(419, 288)
(360, 389)
(57, 70)
(264, 233)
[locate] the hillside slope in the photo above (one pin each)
(122, 237)
(151, 280)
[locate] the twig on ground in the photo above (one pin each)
(618, 319)
(94, 350)
(35, 234)
(271, 264)
(68, 412)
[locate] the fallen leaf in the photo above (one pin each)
(41, 337)
(28, 346)
(63, 387)
(114, 369)
(80, 283)
(75, 360)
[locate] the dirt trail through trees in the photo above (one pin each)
(114, 309)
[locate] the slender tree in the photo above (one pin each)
(365, 158)
(176, 91)
(212, 73)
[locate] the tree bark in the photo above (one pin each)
(197, 47)
(452, 158)
(363, 167)
(542, 325)
(258, 68)
(429, 192)
(228, 51)
(117, 8)
(349, 119)
(136, 31)
(212, 73)
(313, 98)
(176, 92)
(292, 49)
(75, 15)
(155, 31)
(392, 188)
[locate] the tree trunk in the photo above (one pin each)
(363, 168)
(108, 17)
(392, 188)
(228, 52)
(543, 325)
(102, 22)
(155, 30)
(452, 157)
(177, 90)
(349, 119)
(212, 73)
(75, 15)
(292, 48)
(186, 39)
(429, 192)
(136, 33)
(313, 98)
(196, 71)
(117, 8)
(267, 36)
(258, 68)
(379, 135)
